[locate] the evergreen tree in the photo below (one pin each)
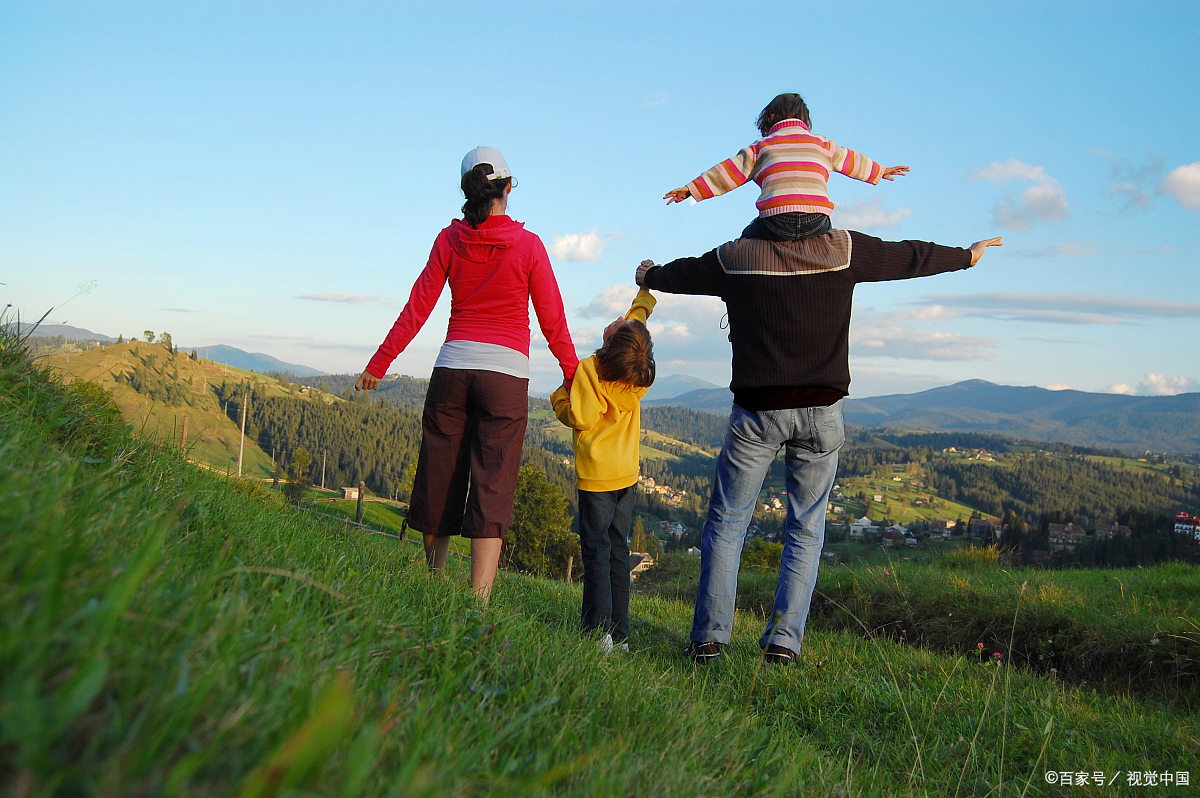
(539, 538)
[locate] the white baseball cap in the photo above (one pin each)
(488, 155)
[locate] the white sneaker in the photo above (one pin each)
(606, 644)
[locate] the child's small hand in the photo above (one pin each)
(892, 172)
(643, 267)
(679, 195)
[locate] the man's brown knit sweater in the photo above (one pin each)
(789, 306)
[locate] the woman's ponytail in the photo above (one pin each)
(480, 191)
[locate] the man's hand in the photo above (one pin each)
(679, 195)
(978, 247)
(892, 172)
(366, 382)
(643, 267)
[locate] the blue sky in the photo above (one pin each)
(272, 175)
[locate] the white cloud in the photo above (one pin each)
(690, 315)
(1131, 182)
(1089, 249)
(883, 335)
(655, 98)
(578, 246)
(611, 302)
(1059, 308)
(1183, 183)
(349, 298)
(1012, 169)
(1164, 385)
(1046, 201)
(1155, 385)
(868, 215)
(1058, 387)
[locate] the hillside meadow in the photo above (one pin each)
(171, 632)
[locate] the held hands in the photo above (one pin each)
(892, 172)
(978, 248)
(680, 194)
(643, 267)
(366, 382)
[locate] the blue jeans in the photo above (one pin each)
(812, 437)
(605, 518)
(788, 226)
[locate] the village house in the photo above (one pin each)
(1109, 531)
(1187, 525)
(863, 528)
(983, 528)
(938, 528)
(350, 493)
(1066, 536)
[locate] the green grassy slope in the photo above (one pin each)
(167, 632)
(212, 436)
(1110, 629)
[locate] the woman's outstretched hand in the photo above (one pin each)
(978, 247)
(892, 172)
(366, 382)
(677, 195)
(643, 267)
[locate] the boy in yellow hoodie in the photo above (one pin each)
(603, 407)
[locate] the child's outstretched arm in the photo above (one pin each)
(642, 307)
(725, 176)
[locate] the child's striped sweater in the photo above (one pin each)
(792, 165)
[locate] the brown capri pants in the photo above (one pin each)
(472, 430)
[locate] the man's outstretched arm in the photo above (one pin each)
(683, 276)
(875, 260)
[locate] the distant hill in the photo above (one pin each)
(61, 331)
(675, 384)
(1130, 423)
(251, 361)
(710, 400)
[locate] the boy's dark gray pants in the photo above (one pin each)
(605, 519)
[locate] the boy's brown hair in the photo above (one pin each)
(627, 356)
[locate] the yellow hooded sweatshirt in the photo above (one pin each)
(606, 418)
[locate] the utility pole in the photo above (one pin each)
(362, 488)
(183, 440)
(242, 440)
(323, 453)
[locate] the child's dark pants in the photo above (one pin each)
(605, 519)
(789, 226)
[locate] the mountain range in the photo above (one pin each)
(221, 353)
(1132, 424)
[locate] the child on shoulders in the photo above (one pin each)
(791, 164)
(603, 407)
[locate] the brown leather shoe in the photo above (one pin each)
(778, 655)
(702, 653)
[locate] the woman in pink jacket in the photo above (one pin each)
(476, 407)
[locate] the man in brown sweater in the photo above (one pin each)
(789, 323)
